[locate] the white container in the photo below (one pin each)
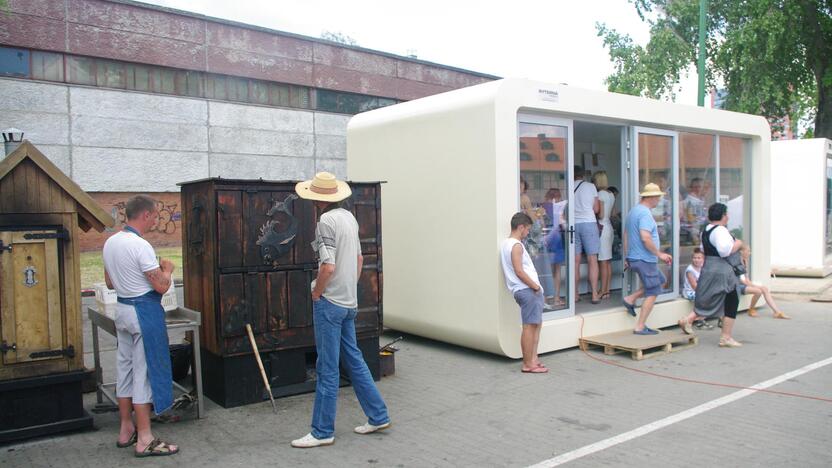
(106, 299)
(801, 181)
(452, 170)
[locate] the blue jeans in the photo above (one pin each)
(334, 337)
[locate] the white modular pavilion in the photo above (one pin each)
(801, 211)
(456, 164)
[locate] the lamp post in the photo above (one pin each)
(12, 137)
(703, 11)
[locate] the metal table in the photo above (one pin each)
(179, 318)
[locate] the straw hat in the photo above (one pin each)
(652, 190)
(324, 187)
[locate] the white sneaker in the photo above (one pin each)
(368, 428)
(309, 441)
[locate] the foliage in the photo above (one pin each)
(774, 57)
(336, 36)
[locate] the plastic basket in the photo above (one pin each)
(107, 298)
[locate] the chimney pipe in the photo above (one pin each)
(12, 137)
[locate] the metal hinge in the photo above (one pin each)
(4, 348)
(69, 352)
(63, 234)
(4, 247)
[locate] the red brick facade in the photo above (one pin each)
(128, 31)
(166, 233)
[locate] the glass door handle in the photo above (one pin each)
(571, 232)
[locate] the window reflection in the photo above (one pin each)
(732, 183)
(697, 169)
(655, 157)
(543, 196)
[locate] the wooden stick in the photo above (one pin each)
(260, 365)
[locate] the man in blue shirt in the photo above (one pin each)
(641, 255)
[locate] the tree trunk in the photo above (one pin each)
(823, 118)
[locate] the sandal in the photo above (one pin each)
(130, 442)
(752, 312)
(606, 295)
(157, 448)
(535, 370)
(781, 315)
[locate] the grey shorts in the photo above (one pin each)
(652, 279)
(587, 238)
(531, 306)
(132, 380)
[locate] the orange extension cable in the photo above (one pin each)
(700, 382)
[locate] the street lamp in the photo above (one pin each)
(12, 137)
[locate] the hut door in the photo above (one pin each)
(30, 297)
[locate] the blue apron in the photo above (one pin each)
(151, 318)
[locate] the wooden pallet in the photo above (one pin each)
(640, 346)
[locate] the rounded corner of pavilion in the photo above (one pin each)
(458, 165)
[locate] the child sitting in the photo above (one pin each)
(747, 287)
(691, 278)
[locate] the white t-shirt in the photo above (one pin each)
(688, 288)
(721, 239)
(514, 283)
(608, 200)
(126, 259)
(584, 196)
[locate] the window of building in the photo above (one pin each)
(47, 66)
(65, 68)
(14, 62)
(80, 70)
(697, 186)
(110, 74)
(829, 204)
(552, 157)
(524, 156)
(546, 145)
(734, 188)
(137, 77)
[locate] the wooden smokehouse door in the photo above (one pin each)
(30, 296)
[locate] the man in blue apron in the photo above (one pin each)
(144, 382)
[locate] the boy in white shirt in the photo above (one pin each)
(691, 278)
(523, 282)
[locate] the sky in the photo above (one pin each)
(552, 41)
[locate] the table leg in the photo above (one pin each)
(198, 372)
(97, 359)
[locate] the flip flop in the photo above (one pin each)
(535, 370)
(646, 331)
(157, 448)
(130, 442)
(631, 308)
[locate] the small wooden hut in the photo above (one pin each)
(41, 337)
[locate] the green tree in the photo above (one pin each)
(338, 37)
(774, 57)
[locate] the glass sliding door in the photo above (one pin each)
(697, 190)
(545, 162)
(655, 159)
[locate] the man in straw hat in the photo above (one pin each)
(641, 255)
(334, 307)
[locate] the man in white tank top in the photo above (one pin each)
(524, 284)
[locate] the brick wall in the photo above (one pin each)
(129, 31)
(166, 233)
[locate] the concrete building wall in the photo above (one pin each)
(114, 143)
(119, 141)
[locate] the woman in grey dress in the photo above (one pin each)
(716, 291)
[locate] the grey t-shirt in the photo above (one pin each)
(337, 242)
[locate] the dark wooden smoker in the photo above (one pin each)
(248, 259)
